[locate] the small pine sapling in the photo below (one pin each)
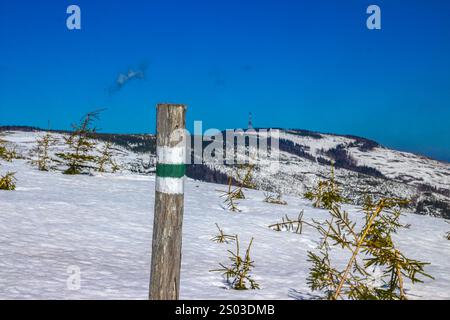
(106, 158)
(270, 198)
(238, 274)
(231, 196)
(237, 193)
(291, 225)
(114, 166)
(369, 247)
(7, 153)
(80, 145)
(222, 237)
(326, 193)
(8, 181)
(246, 180)
(42, 150)
(3, 151)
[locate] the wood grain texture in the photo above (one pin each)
(169, 118)
(166, 247)
(168, 217)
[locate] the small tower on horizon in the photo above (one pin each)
(250, 124)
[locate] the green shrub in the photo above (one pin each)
(326, 193)
(80, 145)
(222, 237)
(43, 158)
(7, 153)
(269, 198)
(238, 274)
(370, 246)
(8, 181)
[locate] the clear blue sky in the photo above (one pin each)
(296, 64)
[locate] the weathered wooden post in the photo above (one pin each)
(169, 202)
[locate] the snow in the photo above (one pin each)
(393, 164)
(315, 145)
(397, 165)
(103, 225)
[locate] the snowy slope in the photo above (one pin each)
(103, 225)
(362, 166)
(368, 168)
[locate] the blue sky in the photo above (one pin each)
(296, 64)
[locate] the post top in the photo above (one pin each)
(171, 105)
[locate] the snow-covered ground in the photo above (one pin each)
(102, 224)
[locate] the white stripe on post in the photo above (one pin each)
(169, 181)
(167, 155)
(170, 185)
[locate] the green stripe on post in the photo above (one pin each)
(170, 170)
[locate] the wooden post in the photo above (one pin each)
(169, 202)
